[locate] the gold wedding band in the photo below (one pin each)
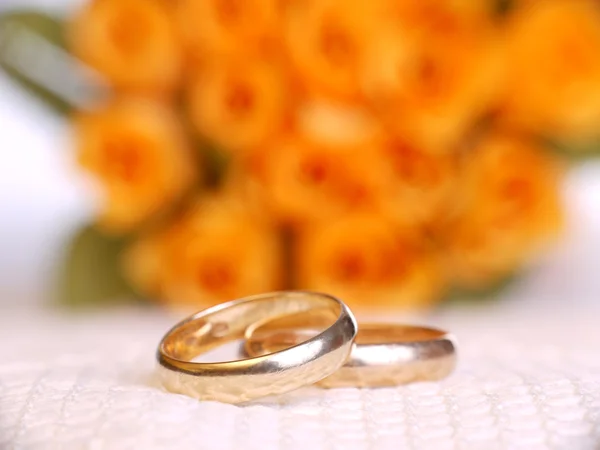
(383, 354)
(258, 376)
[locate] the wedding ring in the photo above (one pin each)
(259, 376)
(382, 355)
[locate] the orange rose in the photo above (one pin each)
(554, 59)
(213, 28)
(138, 151)
(510, 209)
(431, 71)
(130, 42)
(305, 181)
(368, 262)
(422, 182)
(218, 251)
(239, 105)
(326, 42)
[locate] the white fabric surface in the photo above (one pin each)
(527, 378)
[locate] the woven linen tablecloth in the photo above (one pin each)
(527, 378)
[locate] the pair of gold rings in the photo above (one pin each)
(294, 339)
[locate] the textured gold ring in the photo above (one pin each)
(383, 354)
(275, 373)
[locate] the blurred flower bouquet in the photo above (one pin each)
(390, 152)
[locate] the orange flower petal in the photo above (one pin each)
(326, 41)
(433, 76)
(554, 59)
(509, 210)
(213, 28)
(130, 42)
(218, 251)
(137, 151)
(368, 262)
(306, 181)
(422, 182)
(238, 106)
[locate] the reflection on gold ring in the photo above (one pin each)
(383, 354)
(255, 377)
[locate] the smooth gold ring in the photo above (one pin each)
(260, 376)
(382, 355)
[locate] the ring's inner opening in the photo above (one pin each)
(280, 335)
(374, 333)
(222, 326)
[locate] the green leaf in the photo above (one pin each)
(574, 151)
(17, 29)
(91, 273)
